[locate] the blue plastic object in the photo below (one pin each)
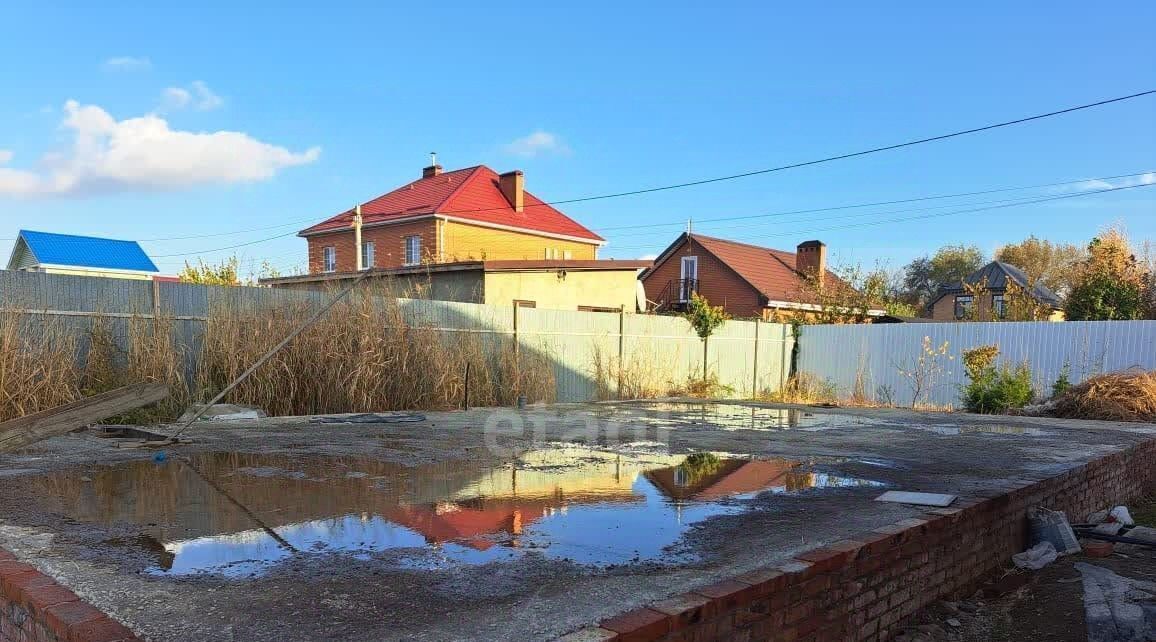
(160, 457)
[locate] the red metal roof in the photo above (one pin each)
(471, 194)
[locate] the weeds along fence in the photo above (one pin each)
(885, 363)
(62, 337)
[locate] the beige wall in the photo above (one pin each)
(603, 288)
(136, 276)
(462, 242)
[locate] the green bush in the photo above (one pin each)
(1062, 382)
(994, 389)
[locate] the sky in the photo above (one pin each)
(216, 124)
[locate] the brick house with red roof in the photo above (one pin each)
(748, 281)
(444, 217)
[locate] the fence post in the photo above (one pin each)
(755, 366)
(621, 347)
(784, 365)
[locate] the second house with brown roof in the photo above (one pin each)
(748, 281)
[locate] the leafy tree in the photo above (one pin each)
(224, 273)
(703, 316)
(1050, 264)
(1109, 283)
(924, 276)
(952, 263)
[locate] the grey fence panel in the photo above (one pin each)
(872, 358)
(591, 352)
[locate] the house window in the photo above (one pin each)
(567, 255)
(998, 306)
(367, 251)
(412, 250)
(962, 306)
(329, 259)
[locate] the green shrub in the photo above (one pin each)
(993, 389)
(1062, 383)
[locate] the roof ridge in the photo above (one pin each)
(751, 245)
(469, 177)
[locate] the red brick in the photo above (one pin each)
(639, 624)
(6, 556)
(62, 617)
(13, 583)
(729, 593)
(766, 580)
(102, 629)
(39, 598)
(686, 609)
(589, 634)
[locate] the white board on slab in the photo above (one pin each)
(921, 499)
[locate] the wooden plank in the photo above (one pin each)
(23, 431)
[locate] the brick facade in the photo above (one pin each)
(717, 282)
(34, 608)
(461, 242)
(867, 587)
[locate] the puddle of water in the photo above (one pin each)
(237, 514)
(726, 416)
(982, 429)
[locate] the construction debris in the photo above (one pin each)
(1117, 396)
(1036, 557)
(1117, 608)
(222, 412)
(25, 431)
(1052, 526)
(919, 499)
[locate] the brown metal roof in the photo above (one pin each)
(771, 272)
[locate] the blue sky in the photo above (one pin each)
(112, 116)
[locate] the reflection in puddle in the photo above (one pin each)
(235, 514)
(729, 416)
(975, 429)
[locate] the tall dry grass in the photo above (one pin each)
(360, 357)
(38, 364)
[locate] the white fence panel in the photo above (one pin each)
(871, 357)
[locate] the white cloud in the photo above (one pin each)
(537, 143)
(126, 63)
(5, 156)
(1130, 181)
(648, 257)
(144, 153)
(197, 96)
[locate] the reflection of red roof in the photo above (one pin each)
(470, 194)
(468, 525)
(750, 477)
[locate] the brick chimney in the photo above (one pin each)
(431, 171)
(513, 186)
(811, 259)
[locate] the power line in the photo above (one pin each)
(936, 215)
(878, 203)
(873, 150)
(768, 170)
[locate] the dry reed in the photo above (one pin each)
(1116, 396)
(38, 365)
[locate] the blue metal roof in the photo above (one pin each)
(87, 251)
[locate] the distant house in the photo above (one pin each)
(469, 235)
(80, 255)
(984, 296)
(590, 285)
(472, 214)
(746, 280)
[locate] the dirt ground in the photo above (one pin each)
(383, 595)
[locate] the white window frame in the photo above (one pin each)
(413, 249)
(368, 254)
(329, 258)
(998, 306)
(688, 271)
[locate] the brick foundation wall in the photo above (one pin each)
(868, 586)
(34, 608)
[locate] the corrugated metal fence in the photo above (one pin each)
(584, 347)
(872, 358)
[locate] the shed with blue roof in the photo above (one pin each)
(80, 255)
